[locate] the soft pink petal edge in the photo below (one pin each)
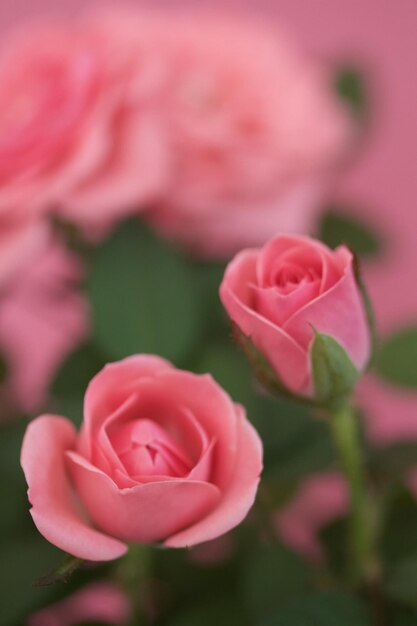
(54, 509)
(238, 497)
(112, 386)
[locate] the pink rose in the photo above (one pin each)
(277, 293)
(254, 132)
(74, 129)
(163, 455)
(319, 500)
(98, 602)
(43, 317)
(21, 236)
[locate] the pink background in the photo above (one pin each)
(380, 37)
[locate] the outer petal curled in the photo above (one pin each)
(238, 497)
(55, 511)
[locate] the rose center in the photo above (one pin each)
(146, 449)
(290, 276)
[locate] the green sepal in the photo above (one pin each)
(264, 372)
(62, 573)
(334, 374)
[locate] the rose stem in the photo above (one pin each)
(364, 565)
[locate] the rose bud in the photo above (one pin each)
(163, 456)
(299, 312)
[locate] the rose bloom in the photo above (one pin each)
(98, 602)
(277, 293)
(319, 500)
(254, 132)
(163, 456)
(43, 317)
(21, 237)
(75, 131)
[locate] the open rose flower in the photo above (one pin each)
(72, 132)
(276, 294)
(254, 130)
(163, 455)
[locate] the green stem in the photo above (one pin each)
(134, 575)
(364, 566)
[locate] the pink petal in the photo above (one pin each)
(338, 312)
(202, 397)
(111, 387)
(286, 356)
(145, 513)
(277, 308)
(132, 172)
(55, 511)
(238, 496)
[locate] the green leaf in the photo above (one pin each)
(71, 381)
(14, 517)
(350, 86)
(60, 574)
(324, 608)
(333, 539)
(403, 617)
(20, 563)
(221, 611)
(401, 581)
(143, 297)
(396, 360)
(399, 537)
(334, 374)
(392, 462)
(272, 577)
(339, 228)
(4, 370)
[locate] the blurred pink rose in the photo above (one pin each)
(319, 500)
(42, 319)
(74, 130)
(163, 455)
(276, 293)
(99, 602)
(390, 412)
(21, 236)
(254, 131)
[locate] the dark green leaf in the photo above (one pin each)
(333, 537)
(20, 563)
(334, 374)
(325, 608)
(72, 379)
(272, 577)
(403, 617)
(399, 538)
(401, 581)
(220, 611)
(14, 517)
(143, 297)
(351, 88)
(396, 360)
(3, 368)
(392, 462)
(340, 228)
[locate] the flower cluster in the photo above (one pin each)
(132, 112)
